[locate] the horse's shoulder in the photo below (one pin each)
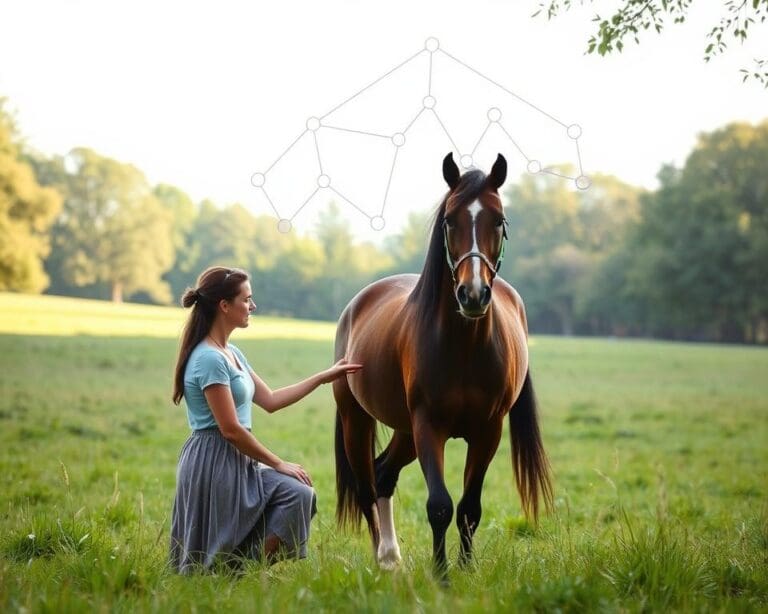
(509, 292)
(513, 300)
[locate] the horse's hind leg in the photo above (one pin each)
(397, 455)
(480, 450)
(358, 432)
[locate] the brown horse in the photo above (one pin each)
(445, 355)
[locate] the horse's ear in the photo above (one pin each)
(498, 173)
(450, 171)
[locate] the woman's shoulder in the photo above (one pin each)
(204, 355)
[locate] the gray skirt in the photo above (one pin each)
(226, 504)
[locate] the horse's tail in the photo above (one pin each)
(529, 460)
(348, 510)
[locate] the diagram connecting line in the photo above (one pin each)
(398, 139)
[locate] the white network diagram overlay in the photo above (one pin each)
(530, 135)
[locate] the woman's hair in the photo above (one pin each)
(214, 284)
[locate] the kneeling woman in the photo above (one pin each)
(227, 503)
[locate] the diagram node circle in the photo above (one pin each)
(398, 139)
(466, 161)
(313, 124)
(494, 114)
(583, 182)
(323, 181)
(432, 44)
(534, 166)
(258, 180)
(377, 222)
(429, 102)
(284, 226)
(574, 131)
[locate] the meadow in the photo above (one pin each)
(658, 450)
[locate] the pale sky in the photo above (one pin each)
(202, 95)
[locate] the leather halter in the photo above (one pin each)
(453, 266)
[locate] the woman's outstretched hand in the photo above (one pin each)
(343, 367)
(295, 471)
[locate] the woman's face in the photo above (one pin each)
(241, 306)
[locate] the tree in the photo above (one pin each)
(27, 211)
(408, 248)
(558, 238)
(182, 213)
(112, 230)
(225, 237)
(699, 251)
(551, 284)
(341, 274)
(606, 210)
(542, 213)
(633, 16)
(294, 286)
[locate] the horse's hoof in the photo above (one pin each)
(443, 580)
(466, 562)
(389, 559)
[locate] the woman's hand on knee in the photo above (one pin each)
(295, 471)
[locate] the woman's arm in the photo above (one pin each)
(220, 400)
(273, 400)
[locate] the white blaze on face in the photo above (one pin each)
(474, 209)
(388, 555)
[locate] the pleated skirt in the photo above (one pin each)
(226, 504)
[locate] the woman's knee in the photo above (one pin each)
(307, 493)
(308, 498)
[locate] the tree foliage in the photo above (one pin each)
(699, 254)
(112, 230)
(632, 17)
(27, 211)
(557, 238)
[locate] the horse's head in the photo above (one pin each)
(474, 231)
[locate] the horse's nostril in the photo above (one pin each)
(486, 297)
(462, 295)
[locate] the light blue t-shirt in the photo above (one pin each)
(207, 366)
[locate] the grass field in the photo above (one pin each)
(658, 449)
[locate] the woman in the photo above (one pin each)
(227, 504)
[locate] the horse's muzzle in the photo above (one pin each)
(473, 303)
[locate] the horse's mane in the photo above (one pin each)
(426, 294)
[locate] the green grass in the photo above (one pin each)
(659, 452)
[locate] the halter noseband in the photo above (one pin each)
(453, 266)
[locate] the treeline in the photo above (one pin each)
(687, 261)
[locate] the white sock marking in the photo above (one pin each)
(389, 550)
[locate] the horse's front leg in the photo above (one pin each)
(481, 447)
(430, 450)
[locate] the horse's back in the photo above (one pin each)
(383, 296)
